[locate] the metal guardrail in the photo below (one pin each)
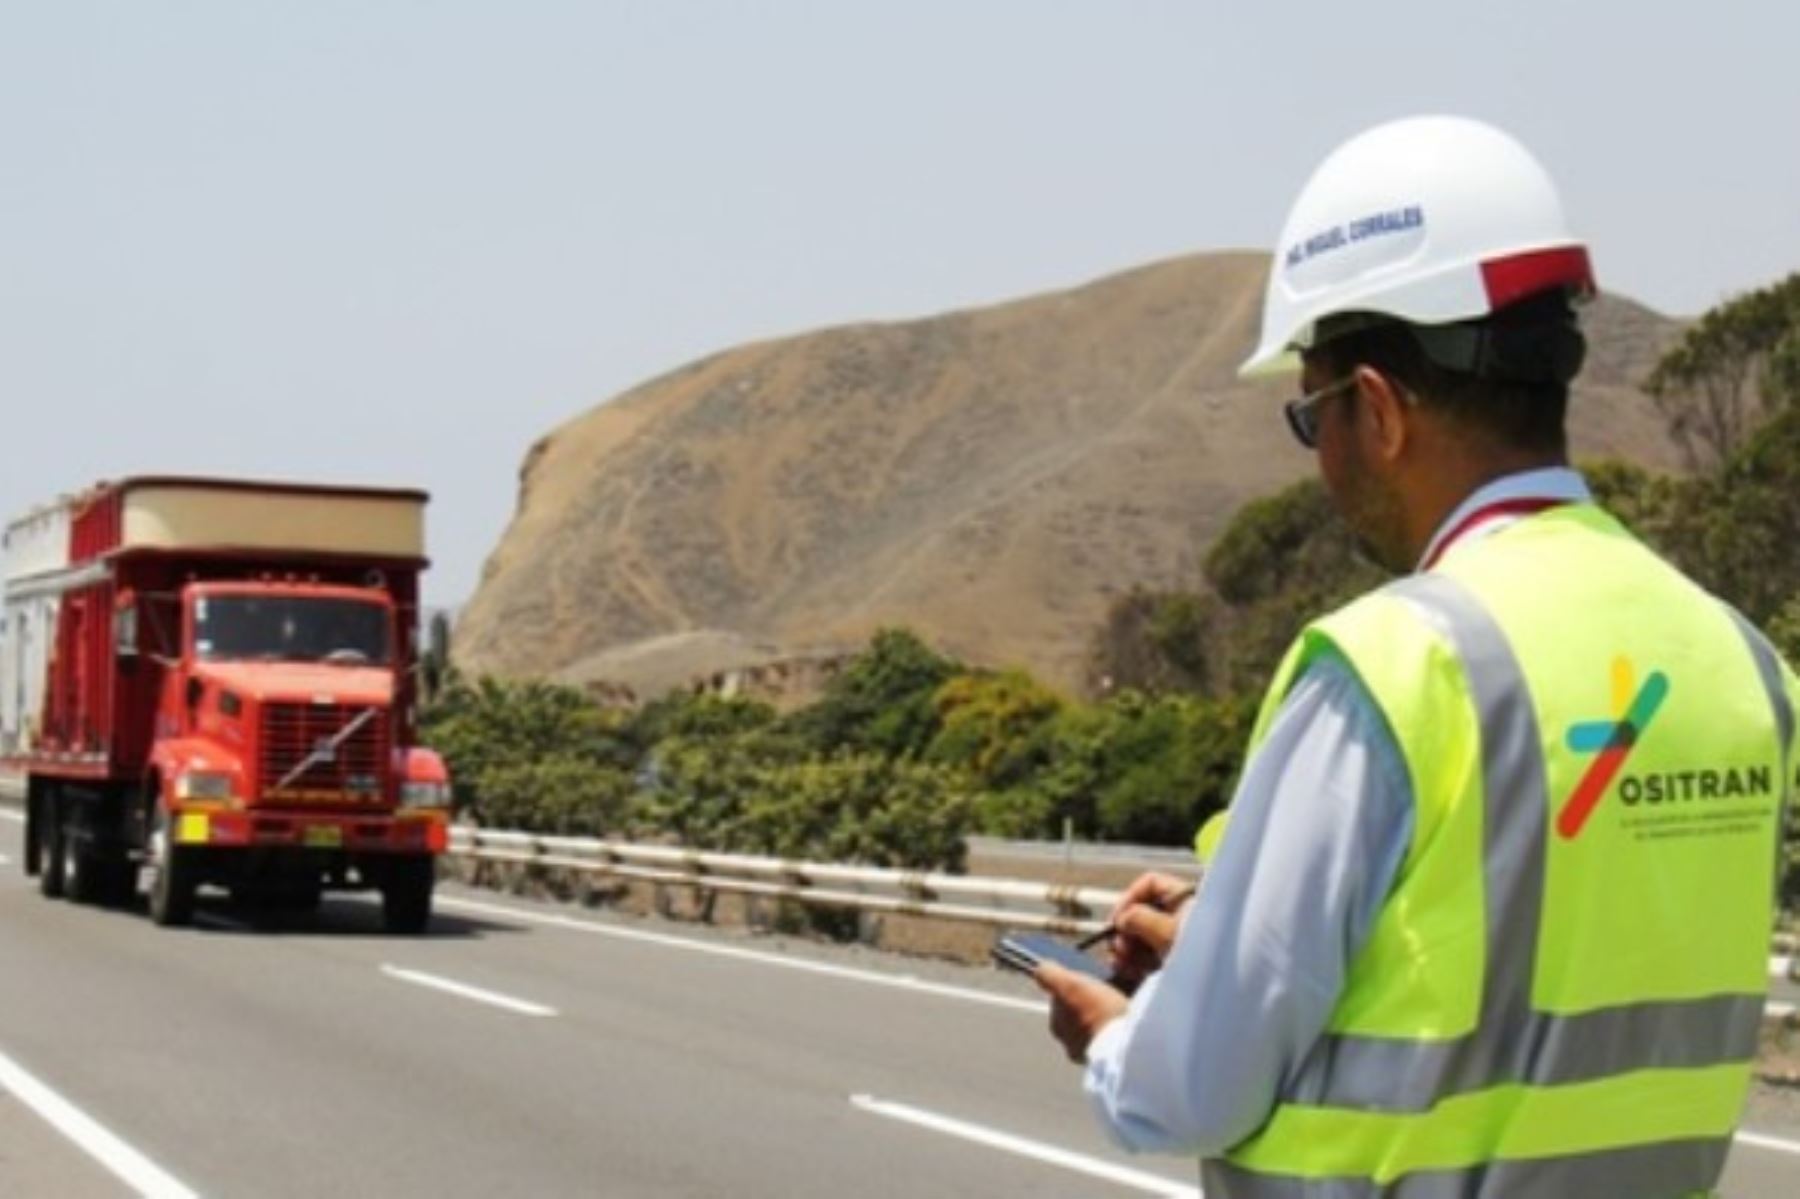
(1088, 853)
(998, 902)
(1008, 903)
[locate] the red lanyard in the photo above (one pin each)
(1523, 506)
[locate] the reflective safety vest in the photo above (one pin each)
(1562, 993)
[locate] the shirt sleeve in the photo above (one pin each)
(1319, 826)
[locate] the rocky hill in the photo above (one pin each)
(990, 478)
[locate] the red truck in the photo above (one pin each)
(215, 679)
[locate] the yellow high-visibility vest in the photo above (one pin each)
(1563, 990)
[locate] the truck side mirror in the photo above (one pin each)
(125, 632)
(125, 642)
(195, 689)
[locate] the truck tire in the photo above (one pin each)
(34, 807)
(172, 882)
(81, 871)
(406, 895)
(50, 848)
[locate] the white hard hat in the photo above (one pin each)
(1429, 220)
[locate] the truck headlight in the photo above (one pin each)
(424, 795)
(203, 784)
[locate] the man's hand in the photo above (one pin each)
(1147, 917)
(1079, 1006)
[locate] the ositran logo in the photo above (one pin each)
(1634, 706)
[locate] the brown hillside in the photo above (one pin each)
(990, 478)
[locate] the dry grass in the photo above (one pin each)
(991, 478)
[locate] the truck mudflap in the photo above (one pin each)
(406, 832)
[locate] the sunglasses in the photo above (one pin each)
(1303, 413)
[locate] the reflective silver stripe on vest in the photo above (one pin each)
(1513, 1043)
(1667, 1169)
(1768, 665)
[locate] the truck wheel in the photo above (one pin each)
(81, 873)
(406, 895)
(172, 883)
(50, 850)
(34, 837)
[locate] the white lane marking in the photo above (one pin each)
(1120, 1174)
(127, 1164)
(9, 814)
(1125, 1176)
(522, 1006)
(1767, 1142)
(1781, 966)
(1777, 1010)
(4, 860)
(904, 982)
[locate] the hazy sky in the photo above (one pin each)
(395, 241)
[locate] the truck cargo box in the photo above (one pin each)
(67, 562)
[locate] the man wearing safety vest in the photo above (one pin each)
(1491, 913)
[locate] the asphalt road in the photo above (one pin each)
(531, 1050)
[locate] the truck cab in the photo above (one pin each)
(277, 734)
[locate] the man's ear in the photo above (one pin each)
(1387, 414)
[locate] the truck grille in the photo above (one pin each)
(356, 771)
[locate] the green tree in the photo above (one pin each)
(563, 793)
(856, 808)
(1648, 503)
(681, 714)
(491, 725)
(696, 786)
(434, 663)
(1282, 561)
(1738, 363)
(1784, 629)
(1737, 530)
(1158, 641)
(1170, 766)
(1072, 756)
(990, 726)
(882, 701)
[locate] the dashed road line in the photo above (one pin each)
(1142, 1180)
(523, 1007)
(904, 982)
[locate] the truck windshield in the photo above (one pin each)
(286, 628)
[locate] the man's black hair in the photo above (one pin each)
(1506, 375)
